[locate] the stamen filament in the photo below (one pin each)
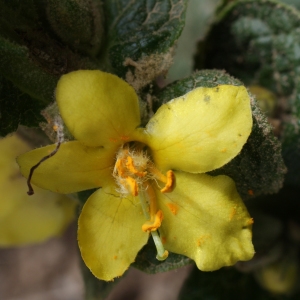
(168, 180)
(151, 200)
(144, 196)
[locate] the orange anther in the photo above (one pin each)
(170, 182)
(155, 224)
(131, 185)
(169, 179)
(120, 168)
(130, 166)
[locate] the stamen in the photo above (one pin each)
(169, 180)
(151, 199)
(131, 185)
(153, 225)
(133, 173)
(145, 196)
(130, 166)
(119, 167)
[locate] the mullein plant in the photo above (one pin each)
(166, 175)
(152, 178)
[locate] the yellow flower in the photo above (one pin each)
(152, 178)
(25, 220)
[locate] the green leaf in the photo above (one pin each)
(259, 40)
(18, 65)
(20, 54)
(291, 152)
(295, 3)
(259, 168)
(141, 37)
(29, 56)
(36, 67)
(17, 107)
(25, 12)
(77, 23)
(32, 60)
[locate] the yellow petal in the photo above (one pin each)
(110, 233)
(33, 219)
(10, 147)
(98, 108)
(73, 168)
(23, 219)
(206, 220)
(202, 130)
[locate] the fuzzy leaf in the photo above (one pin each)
(291, 153)
(260, 41)
(33, 61)
(259, 168)
(19, 66)
(17, 108)
(35, 67)
(294, 3)
(77, 23)
(141, 37)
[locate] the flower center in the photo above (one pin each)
(134, 173)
